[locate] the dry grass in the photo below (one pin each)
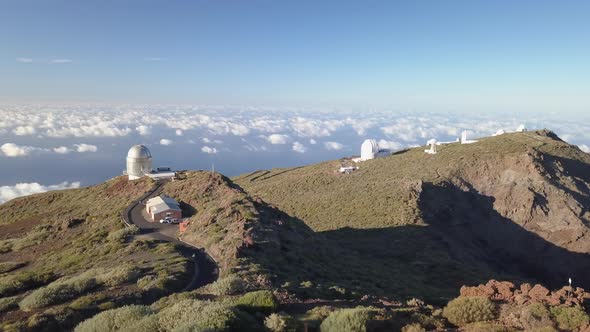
(72, 232)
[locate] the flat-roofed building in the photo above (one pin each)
(163, 206)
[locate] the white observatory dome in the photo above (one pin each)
(139, 161)
(369, 149)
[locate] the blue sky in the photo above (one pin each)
(513, 56)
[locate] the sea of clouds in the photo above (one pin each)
(48, 147)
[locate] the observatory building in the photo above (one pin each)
(370, 150)
(139, 164)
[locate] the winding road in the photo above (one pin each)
(206, 270)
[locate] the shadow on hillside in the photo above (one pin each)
(465, 241)
(477, 235)
(578, 171)
(406, 261)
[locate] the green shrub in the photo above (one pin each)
(535, 316)
(173, 316)
(262, 301)
(465, 310)
(319, 313)
(114, 320)
(58, 291)
(486, 327)
(34, 237)
(414, 327)
(10, 266)
(229, 285)
(86, 301)
(348, 320)
(569, 318)
(6, 245)
(191, 315)
(9, 303)
(41, 322)
(280, 322)
(118, 275)
(214, 317)
(147, 282)
(146, 324)
(171, 299)
(23, 281)
(120, 235)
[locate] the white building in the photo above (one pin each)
(499, 132)
(464, 139)
(139, 162)
(370, 150)
(163, 206)
(432, 149)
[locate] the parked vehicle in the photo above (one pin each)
(166, 220)
(174, 221)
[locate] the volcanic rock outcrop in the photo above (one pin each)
(506, 291)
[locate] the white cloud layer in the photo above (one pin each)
(13, 150)
(24, 130)
(333, 146)
(61, 60)
(144, 130)
(298, 147)
(23, 189)
(209, 150)
(277, 139)
(279, 127)
(390, 145)
(62, 150)
(165, 141)
(86, 147)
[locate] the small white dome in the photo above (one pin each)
(139, 151)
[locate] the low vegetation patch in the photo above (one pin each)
(464, 310)
(569, 318)
(280, 322)
(262, 301)
(117, 275)
(229, 285)
(120, 319)
(20, 282)
(10, 266)
(9, 303)
(122, 234)
(348, 320)
(58, 291)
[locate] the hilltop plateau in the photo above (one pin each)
(512, 206)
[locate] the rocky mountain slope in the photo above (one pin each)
(510, 207)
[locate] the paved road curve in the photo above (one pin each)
(206, 270)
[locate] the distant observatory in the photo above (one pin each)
(139, 164)
(433, 143)
(464, 139)
(370, 150)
